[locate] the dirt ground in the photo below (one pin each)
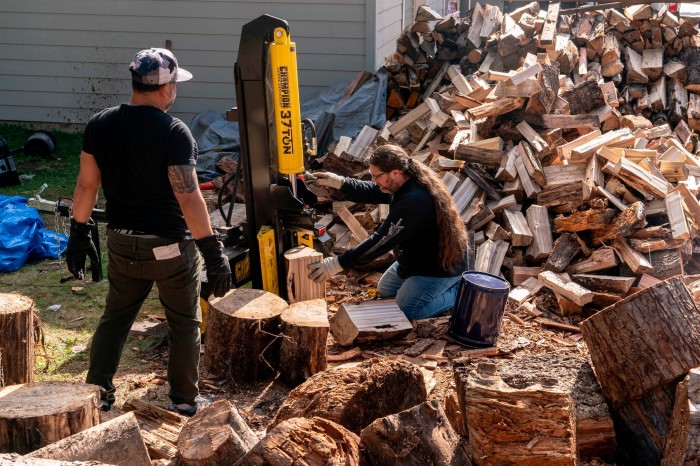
(257, 403)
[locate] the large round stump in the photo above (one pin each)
(37, 414)
(354, 397)
(17, 341)
(311, 442)
(216, 435)
(242, 341)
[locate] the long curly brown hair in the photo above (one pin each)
(453, 234)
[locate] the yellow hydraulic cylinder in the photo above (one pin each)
(285, 90)
(268, 259)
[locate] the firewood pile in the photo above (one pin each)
(566, 140)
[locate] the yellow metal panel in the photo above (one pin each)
(285, 90)
(268, 259)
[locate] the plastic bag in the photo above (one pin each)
(23, 236)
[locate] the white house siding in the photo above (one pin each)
(63, 60)
(389, 23)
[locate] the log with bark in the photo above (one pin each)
(661, 331)
(418, 436)
(215, 435)
(242, 335)
(314, 442)
(116, 441)
(37, 414)
(354, 397)
(305, 330)
(17, 344)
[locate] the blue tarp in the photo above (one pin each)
(23, 236)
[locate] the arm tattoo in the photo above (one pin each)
(183, 178)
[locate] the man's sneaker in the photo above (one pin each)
(187, 409)
(104, 405)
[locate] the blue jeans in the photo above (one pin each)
(419, 297)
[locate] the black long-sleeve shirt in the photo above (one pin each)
(410, 229)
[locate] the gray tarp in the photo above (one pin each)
(216, 137)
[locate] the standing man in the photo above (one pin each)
(144, 159)
(423, 228)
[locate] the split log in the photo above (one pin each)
(625, 223)
(299, 286)
(369, 321)
(242, 342)
(216, 435)
(661, 329)
(313, 442)
(304, 337)
(601, 259)
(582, 220)
(116, 441)
(418, 436)
(604, 283)
(354, 397)
(159, 427)
(561, 284)
(17, 343)
(542, 241)
(33, 415)
(584, 97)
(566, 247)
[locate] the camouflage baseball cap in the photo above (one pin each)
(156, 66)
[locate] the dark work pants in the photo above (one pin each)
(132, 270)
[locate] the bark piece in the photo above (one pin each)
(566, 247)
(116, 441)
(584, 97)
(418, 436)
(37, 414)
(242, 328)
(368, 321)
(354, 397)
(661, 330)
(313, 442)
(216, 435)
(304, 337)
(17, 342)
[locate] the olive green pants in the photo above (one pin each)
(132, 269)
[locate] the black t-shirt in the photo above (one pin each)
(133, 146)
(410, 229)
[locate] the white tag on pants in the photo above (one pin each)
(167, 252)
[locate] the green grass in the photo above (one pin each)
(67, 331)
(58, 172)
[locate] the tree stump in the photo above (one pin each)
(418, 436)
(216, 435)
(37, 414)
(354, 397)
(660, 328)
(311, 442)
(305, 336)
(17, 342)
(242, 342)
(521, 411)
(117, 441)
(299, 286)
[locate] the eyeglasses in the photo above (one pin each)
(377, 176)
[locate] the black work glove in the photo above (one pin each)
(80, 246)
(218, 268)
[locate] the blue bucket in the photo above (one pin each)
(479, 308)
